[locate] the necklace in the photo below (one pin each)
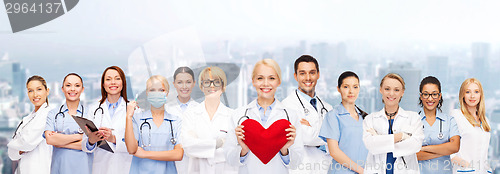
(392, 114)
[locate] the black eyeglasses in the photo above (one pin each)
(207, 83)
(434, 95)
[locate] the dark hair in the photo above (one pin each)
(123, 93)
(184, 69)
(305, 58)
(430, 80)
(345, 75)
(72, 74)
(41, 80)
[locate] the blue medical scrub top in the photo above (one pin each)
(160, 141)
(449, 128)
(340, 126)
(68, 160)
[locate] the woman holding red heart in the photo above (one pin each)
(248, 146)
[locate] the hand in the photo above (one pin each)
(50, 133)
(291, 139)
(140, 153)
(219, 142)
(131, 106)
(240, 135)
(94, 137)
(372, 131)
(108, 134)
(21, 152)
(305, 122)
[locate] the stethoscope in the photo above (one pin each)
(306, 111)
(172, 140)
(15, 132)
(245, 115)
(61, 112)
(102, 111)
(440, 135)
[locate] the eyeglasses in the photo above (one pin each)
(207, 83)
(434, 95)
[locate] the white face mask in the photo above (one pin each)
(157, 99)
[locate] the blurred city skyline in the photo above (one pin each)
(452, 40)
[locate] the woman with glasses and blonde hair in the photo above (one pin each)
(392, 136)
(474, 129)
(152, 135)
(441, 131)
(266, 110)
(205, 126)
(27, 145)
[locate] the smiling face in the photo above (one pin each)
(72, 88)
(265, 81)
(307, 76)
(472, 95)
(349, 90)
(184, 84)
(37, 93)
(431, 91)
(113, 83)
(392, 91)
(212, 86)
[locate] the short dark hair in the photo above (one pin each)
(430, 80)
(344, 75)
(305, 58)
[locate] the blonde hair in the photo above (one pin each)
(393, 76)
(481, 111)
(215, 73)
(270, 63)
(159, 78)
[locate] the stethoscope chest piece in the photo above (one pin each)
(440, 136)
(306, 111)
(172, 140)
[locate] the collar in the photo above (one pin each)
(44, 105)
(146, 115)
(78, 110)
(439, 115)
(180, 103)
(401, 113)
(342, 111)
(271, 107)
(305, 96)
(114, 104)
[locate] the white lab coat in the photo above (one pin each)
(199, 136)
(104, 161)
(474, 144)
(315, 160)
(38, 154)
(252, 164)
(379, 145)
(174, 108)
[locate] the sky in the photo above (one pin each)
(109, 31)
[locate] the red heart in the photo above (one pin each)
(265, 143)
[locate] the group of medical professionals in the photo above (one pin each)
(189, 137)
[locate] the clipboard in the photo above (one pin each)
(82, 122)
